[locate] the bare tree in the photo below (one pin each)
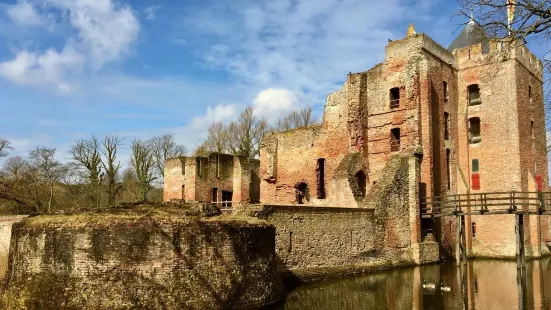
(4, 146)
(217, 138)
(86, 154)
(296, 119)
(15, 167)
(49, 170)
(111, 166)
(163, 148)
(246, 134)
(518, 21)
(143, 164)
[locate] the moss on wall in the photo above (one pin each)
(148, 260)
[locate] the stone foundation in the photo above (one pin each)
(146, 262)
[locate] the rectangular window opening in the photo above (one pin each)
(473, 230)
(321, 178)
(215, 194)
(227, 197)
(474, 94)
(218, 165)
(395, 140)
(475, 166)
(394, 98)
(530, 93)
(198, 164)
(474, 130)
(448, 167)
(445, 89)
(446, 126)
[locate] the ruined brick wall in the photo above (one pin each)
(174, 178)
(217, 171)
(195, 178)
(141, 262)
(387, 230)
(355, 133)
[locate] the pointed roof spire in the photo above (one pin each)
(411, 31)
(472, 34)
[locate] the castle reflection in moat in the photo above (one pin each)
(480, 284)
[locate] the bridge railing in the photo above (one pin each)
(487, 203)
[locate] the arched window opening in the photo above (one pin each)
(361, 180)
(474, 130)
(474, 94)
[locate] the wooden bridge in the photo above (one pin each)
(492, 203)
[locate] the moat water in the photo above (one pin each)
(480, 284)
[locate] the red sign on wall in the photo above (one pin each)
(475, 181)
(539, 181)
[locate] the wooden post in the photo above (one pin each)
(519, 230)
(458, 239)
(463, 239)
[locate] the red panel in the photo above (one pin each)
(475, 181)
(539, 181)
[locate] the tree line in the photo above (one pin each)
(40, 183)
(92, 178)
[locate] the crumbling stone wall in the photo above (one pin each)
(121, 262)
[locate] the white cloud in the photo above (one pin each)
(220, 113)
(24, 13)
(151, 12)
(104, 33)
(307, 45)
(273, 103)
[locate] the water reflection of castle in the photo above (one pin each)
(480, 284)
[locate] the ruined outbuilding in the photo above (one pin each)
(214, 178)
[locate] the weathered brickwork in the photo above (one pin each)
(481, 101)
(511, 152)
(144, 262)
(356, 133)
(384, 233)
(200, 179)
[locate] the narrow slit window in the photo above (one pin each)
(530, 93)
(361, 182)
(474, 130)
(394, 98)
(198, 164)
(321, 178)
(474, 94)
(473, 229)
(448, 168)
(446, 126)
(395, 140)
(532, 136)
(445, 89)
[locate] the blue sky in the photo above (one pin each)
(73, 68)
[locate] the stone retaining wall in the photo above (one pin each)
(143, 262)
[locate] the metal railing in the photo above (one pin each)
(487, 203)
